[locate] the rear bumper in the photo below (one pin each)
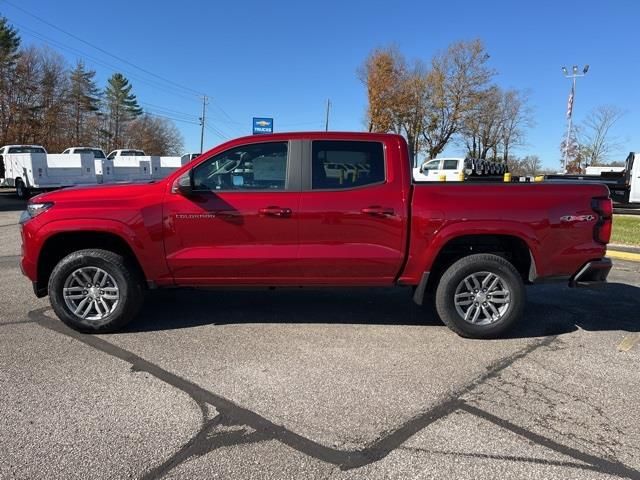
(592, 273)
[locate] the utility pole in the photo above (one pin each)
(572, 98)
(326, 123)
(202, 119)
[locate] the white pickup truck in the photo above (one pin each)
(457, 169)
(29, 168)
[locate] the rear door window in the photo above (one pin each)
(341, 164)
(450, 165)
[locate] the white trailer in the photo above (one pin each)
(28, 172)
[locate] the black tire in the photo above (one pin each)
(480, 264)
(22, 192)
(126, 279)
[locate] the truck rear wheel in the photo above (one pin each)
(480, 296)
(95, 291)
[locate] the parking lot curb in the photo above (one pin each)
(620, 255)
(623, 248)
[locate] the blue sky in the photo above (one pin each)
(284, 59)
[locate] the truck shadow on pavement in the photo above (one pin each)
(9, 202)
(550, 310)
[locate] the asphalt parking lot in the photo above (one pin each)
(318, 384)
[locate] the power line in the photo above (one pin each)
(189, 89)
(216, 132)
(83, 56)
(169, 111)
(153, 114)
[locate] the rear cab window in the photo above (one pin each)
(26, 150)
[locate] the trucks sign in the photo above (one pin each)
(262, 125)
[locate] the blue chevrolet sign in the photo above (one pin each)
(262, 125)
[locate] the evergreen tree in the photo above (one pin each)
(122, 106)
(83, 98)
(9, 54)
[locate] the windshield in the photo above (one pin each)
(132, 153)
(26, 150)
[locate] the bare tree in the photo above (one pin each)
(517, 117)
(529, 165)
(455, 85)
(154, 135)
(594, 135)
(482, 128)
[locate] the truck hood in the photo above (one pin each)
(98, 193)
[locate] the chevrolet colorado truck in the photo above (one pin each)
(270, 211)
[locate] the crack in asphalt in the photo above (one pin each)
(603, 465)
(255, 428)
(511, 458)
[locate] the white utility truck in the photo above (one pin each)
(29, 168)
(130, 165)
(163, 166)
(104, 167)
(623, 182)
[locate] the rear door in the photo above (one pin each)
(451, 168)
(240, 224)
(351, 224)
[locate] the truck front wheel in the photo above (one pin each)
(22, 192)
(480, 296)
(95, 291)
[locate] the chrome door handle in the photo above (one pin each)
(378, 211)
(275, 212)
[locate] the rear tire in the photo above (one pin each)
(480, 296)
(95, 291)
(22, 192)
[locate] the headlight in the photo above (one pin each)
(35, 209)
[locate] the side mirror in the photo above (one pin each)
(184, 184)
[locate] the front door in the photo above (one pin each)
(239, 226)
(352, 214)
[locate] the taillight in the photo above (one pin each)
(603, 206)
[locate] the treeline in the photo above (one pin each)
(451, 98)
(44, 101)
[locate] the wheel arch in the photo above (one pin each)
(60, 244)
(511, 247)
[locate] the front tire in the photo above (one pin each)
(22, 192)
(480, 296)
(95, 291)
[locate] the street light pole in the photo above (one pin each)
(573, 76)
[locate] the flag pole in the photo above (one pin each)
(570, 115)
(573, 76)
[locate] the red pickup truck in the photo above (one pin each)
(313, 209)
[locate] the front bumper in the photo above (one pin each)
(592, 273)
